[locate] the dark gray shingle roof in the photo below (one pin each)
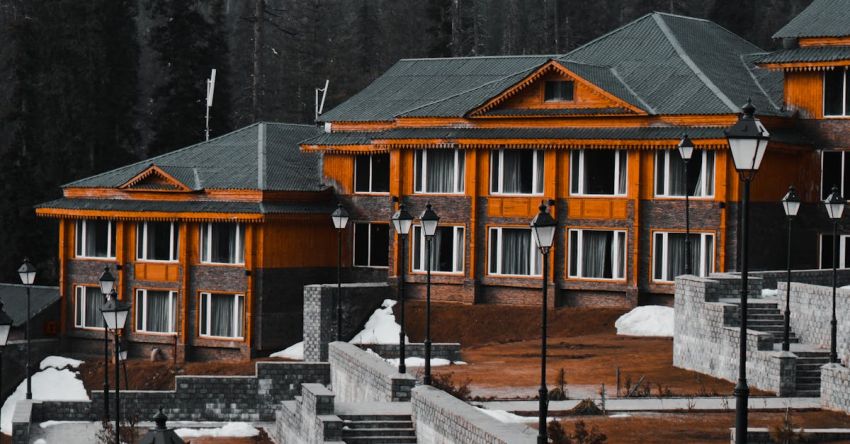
(808, 54)
(264, 156)
(195, 206)
(14, 297)
(823, 18)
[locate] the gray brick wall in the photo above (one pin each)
(450, 351)
(358, 376)
(835, 387)
(308, 420)
(811, 315)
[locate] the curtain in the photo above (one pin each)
(675, 255)
(458, 264)
(622, 157)
(159, 241)
(516, 249)
(597, 258)
(512, 175)
(695, 178)
(224, 243)
(221, 308)
(538, 185)
(696, 254)
(158, 309)
(619, 255)
(677, 174)
(94, 302)
(436, 250)
(440, 171)
(709, 173)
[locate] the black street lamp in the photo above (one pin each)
(686, 150)
(748, 140)
(5, 328)
(107, 285)
(27, 273)
(115, 316)
(543, 226)
(402, 220)
(340, 220)
(791, 205)
(834, 204)
(429, 221)
(161, 434)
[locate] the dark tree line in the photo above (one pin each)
(86, 86)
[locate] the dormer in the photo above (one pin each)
(155, 178)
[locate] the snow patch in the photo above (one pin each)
(648, 320)
(381, 328)
(769, 292)
(503, 416)
(414, 361)
(295, 351)
(59, 362)
(40, 441)
(47, 424)
(229, 430)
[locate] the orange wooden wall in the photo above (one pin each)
(532, 97)
(804, 92)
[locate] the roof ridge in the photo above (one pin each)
(674, 42)
(507, 56)
(609, 33)
(756, 80)
(670, 14)
(629, 89)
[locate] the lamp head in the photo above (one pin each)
(834, 204)
(402, 220)
(686, 148)
(27, 272)
(115, 312)
(543, 226)
(429, 221)
(339, 217)
(5, 326)
(747, 140)
(791, 202)
(107, 282)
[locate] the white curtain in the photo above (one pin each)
(158, 309)
(224, 244)
(516, 251)
(458, 263)
(94, 302)
(622, 158)
(437, 250)
(597, 258)
(221, 308)
(440, 171)
(512, 177)
(676, 170)
(675, 255)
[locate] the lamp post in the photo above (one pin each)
(834, 204)
(429, 221)
(686, 150)
(340, 220)
(27, 273)
(5, 327)
(107, 285)
(543, 226)
(748, 140)
(115, 316)
(791, 205)
(402, 220)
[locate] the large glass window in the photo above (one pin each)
(669, 255)
(439, 171)
(558, 91)
(835, 171)
(597, 254)
(372, 173)
(516, 172)
(826, 251)
(221, 315)
(513, 251)
(446, 250)
(371, 244)
(157, 241)
(598, 172)
(156, 311)
(95, 238)
(87, 304)
(222, 243)
(836, 92)
(670, 174)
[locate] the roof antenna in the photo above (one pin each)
(210, 91)
(320, 105)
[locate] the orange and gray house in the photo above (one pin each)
(215, 241)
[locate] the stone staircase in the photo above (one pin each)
(765, 316)
(375, 429)
(808, 372)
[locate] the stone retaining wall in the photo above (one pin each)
(440, 418)
(450, 351)
(308, 420)
(359, 376)
(814, 277)
(835, 387)
(811, 314)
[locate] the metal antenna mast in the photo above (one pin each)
(210, 91)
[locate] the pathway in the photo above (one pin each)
(661, 404)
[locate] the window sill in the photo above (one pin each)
(700, 198)
(516, 276)
(436, 273)
(220, 264)
(836, 117)
(516, 195)
(600, 196)
(371, 193)
(375, 267)
(154, 261)
(222, 338)
(420, 193)
(604, 280)
(154, 333)
(95, 258)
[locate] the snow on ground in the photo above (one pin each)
(414, 361)
(48, 384)
(769, 292)
(40, 441)
(229, 430)
(381, 328)
(295, 351)
(647, 320)
(59, 362)
(503, 416)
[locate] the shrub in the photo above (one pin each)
(581, 435)
(785, 433)
(446, 383)
(560, 392)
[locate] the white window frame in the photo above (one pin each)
(704, 259)
(617, 268)
(703, 172)
(457, 230)
(533, 252)
(81, 293)
(368, 243)
(371, 185)
(205, 319)
(142, 310)
(582, 192)
(459, 174)
(827, 188)
(173, 243)
(83, 235)
(845, 92)
(537, 171)
(240, 248)
(842, 242)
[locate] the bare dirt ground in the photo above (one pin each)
(262, 438)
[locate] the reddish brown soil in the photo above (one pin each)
(262, 438)
(697, 428)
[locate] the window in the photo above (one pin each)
(835, 171)
(669, 255)
(439, 171)
(513, 251)
(87, 304)
(446, 250)
(826, 250)
(558, 91)
(222, 243)
(597, 254)
(836, 93)
(670, 174)
(371, 244)
(372, 173)
(221, 315)
(157, 241)
(516, 172)
(598, 172)
(156, 311)
(95, 238)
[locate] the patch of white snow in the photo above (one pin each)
(648, 320)
(295, 351)
(48, 384)
(507, 417)
(381, 328)
(58, 362)
(229, 430)
(414, 361)
(769, 292)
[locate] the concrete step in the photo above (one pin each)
(357, 425)
(383, 417)
(807, 379)
(356, 433)
(808, 387)
(807, 393)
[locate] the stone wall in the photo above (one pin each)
(703, 323)
(835, 387)
(771, 279)
(308, 420)
(811, 316)
(440, 418)
(450, 351)
(359, 376)
(359, 301)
